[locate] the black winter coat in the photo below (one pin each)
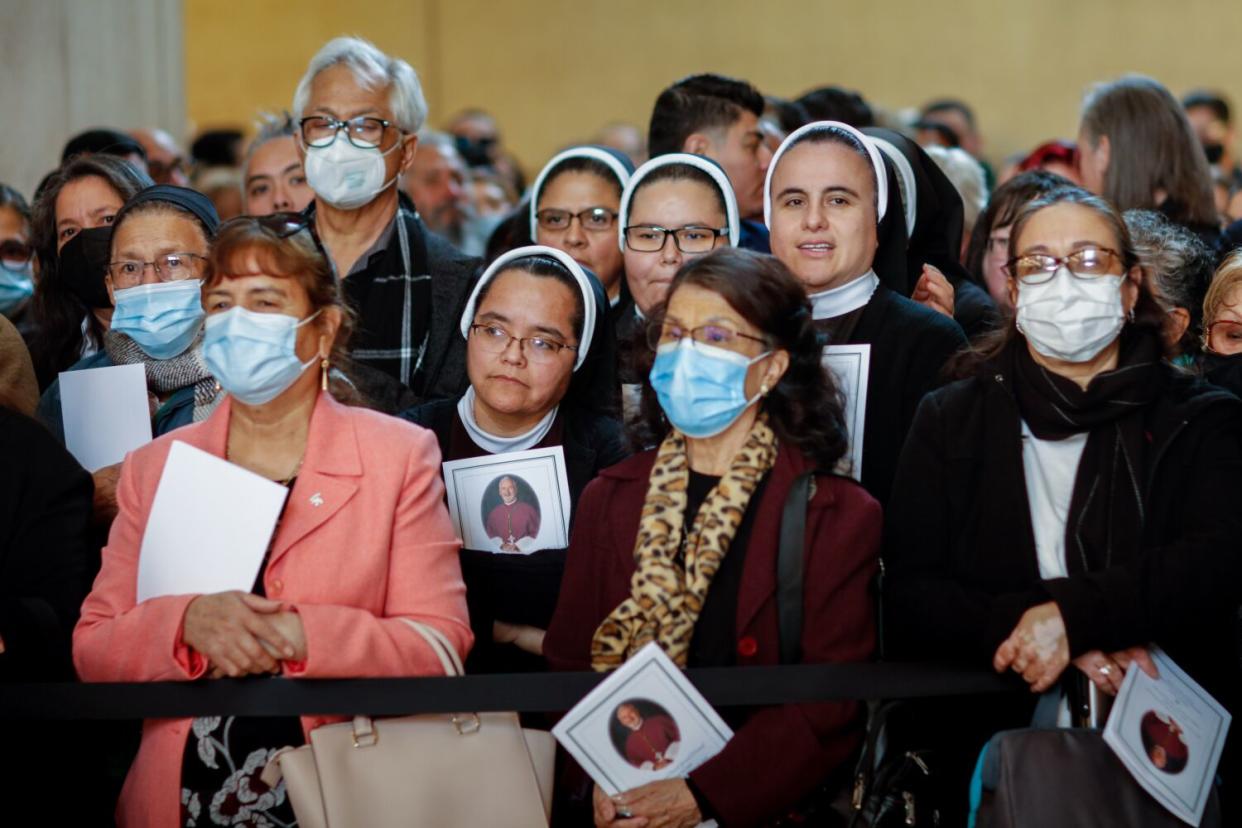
(960, 551)
(910, 345)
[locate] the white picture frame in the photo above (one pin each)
(850, 366)
(592, 732)
(539, 517)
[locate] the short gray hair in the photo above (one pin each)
(270, 125)
(372, 69)
(967, 176)
(437, 139)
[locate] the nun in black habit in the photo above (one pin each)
(826, 214)
(510, 595)
(933, 214)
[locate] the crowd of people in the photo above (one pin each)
(1042, 455)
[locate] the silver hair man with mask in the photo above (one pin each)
(358, 113)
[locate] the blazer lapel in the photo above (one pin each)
(328, 479)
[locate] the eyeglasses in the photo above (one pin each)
(173, 267)
(282, 224)
(1087, 263)
(1225, 337)
(540, 349)
(718, 336)
(593, 219)
(362, 132)
(15, 254)
(693, 238)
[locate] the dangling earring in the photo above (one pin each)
(323, 373)
(1130, 315)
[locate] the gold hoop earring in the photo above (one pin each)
(323, 373)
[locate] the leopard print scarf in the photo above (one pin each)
(666, 596)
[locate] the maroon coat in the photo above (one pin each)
(781, 753)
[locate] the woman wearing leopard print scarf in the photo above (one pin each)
(679, 545)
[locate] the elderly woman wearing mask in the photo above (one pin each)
(537, 360)
(574, 204)
(363, 543)
(1073, 501)
(744, 409)
(159, 249)
(1222, 326)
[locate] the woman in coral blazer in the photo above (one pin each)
(364, 541)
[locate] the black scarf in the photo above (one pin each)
(1106, 509)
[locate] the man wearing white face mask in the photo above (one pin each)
(358, 113)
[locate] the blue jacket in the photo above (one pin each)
(177, 410)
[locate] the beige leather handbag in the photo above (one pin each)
(434, 770)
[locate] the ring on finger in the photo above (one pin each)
(1106, 669)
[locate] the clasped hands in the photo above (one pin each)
(240, 633)
(1038, 650)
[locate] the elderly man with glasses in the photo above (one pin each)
(358, 112)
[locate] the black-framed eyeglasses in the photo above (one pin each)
(495, 340)
(664, 333)
(594, 219)
(692, 238)
(364, 132)
(1085, 263)
(172, 267)
(14, 254)
(281, 224)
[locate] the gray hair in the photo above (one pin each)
(966, 175)
(437, 139)
(1177, 261)
(372, 69)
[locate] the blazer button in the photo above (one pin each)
(747, 646)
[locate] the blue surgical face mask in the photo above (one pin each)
(163, 318)
(701, 388)
(16, 286)
(254, 355)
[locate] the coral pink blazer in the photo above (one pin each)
(365, 539)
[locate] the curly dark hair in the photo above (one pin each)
(805, 408)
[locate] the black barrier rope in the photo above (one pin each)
(530, 692)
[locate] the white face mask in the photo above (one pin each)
(345, 176)
(1071, 319)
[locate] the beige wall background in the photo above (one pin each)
(553, 71)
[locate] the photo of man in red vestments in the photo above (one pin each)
(645, 734)
(512, 519)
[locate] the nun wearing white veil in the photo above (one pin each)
(538, 358)
(826, 193)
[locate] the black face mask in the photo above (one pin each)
(83, 262)
(1214, 153)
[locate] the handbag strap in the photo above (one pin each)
(789, 563)
(440, 645)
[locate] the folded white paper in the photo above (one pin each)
(644, 722)
(1169, 733)
(209, 527)
(105, 413)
